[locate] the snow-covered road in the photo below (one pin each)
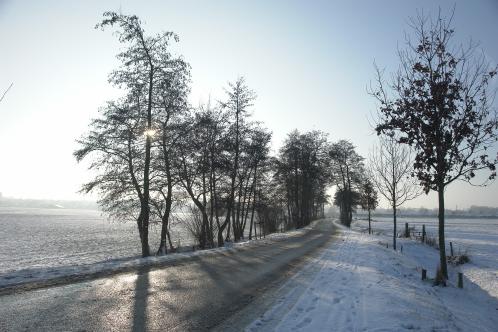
(363, 286)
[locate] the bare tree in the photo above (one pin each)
(5, 92)
(239, 99)
(195, 169)
(115, 142)
(391, 165)
(121, 140)
(439, 103)
(170, 108)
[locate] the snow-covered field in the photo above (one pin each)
(42, 244)
(363, 286)
(477, 237)
(37, 242)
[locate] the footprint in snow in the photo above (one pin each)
(305, 322)
(410, 327)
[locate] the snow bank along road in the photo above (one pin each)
(360, 285)
(196, 293)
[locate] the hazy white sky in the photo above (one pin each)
(308, 61)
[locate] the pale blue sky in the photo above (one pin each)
(308, 61)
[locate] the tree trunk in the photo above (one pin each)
(167, 210)
(205, 218)
(169, 239)
(162, 250)
(164, 233)
(211, 209)
(144, 234)
(442, 245)
(227, 237)
(394, 229)
(237, 232)
(140, 228)
(221, 228)
(349, 202)
(252, 223)
(369, 225)
(252, 209)
(296, 195)
(234, 224)
(245, 203)
(148, 143)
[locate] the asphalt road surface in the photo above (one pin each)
(194, 294)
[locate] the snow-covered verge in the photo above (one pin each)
(63, 274)
(363, 286)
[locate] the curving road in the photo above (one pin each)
(198, 293)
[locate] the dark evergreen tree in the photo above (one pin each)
(368, 200)
(347, 172)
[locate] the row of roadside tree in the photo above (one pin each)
(155, 155)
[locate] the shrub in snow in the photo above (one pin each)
(459, 259)
(432, 241)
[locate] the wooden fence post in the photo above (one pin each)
(460, 280)
(407, 234)
(451, 248)
(424, 274)
(423, 233)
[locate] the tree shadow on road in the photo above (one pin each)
(140, 300)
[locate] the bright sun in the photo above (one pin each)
(149, 132)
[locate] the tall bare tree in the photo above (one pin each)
(439, 103)
(169, 111)
(391, 166)
(122, 138)
(239, 99)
